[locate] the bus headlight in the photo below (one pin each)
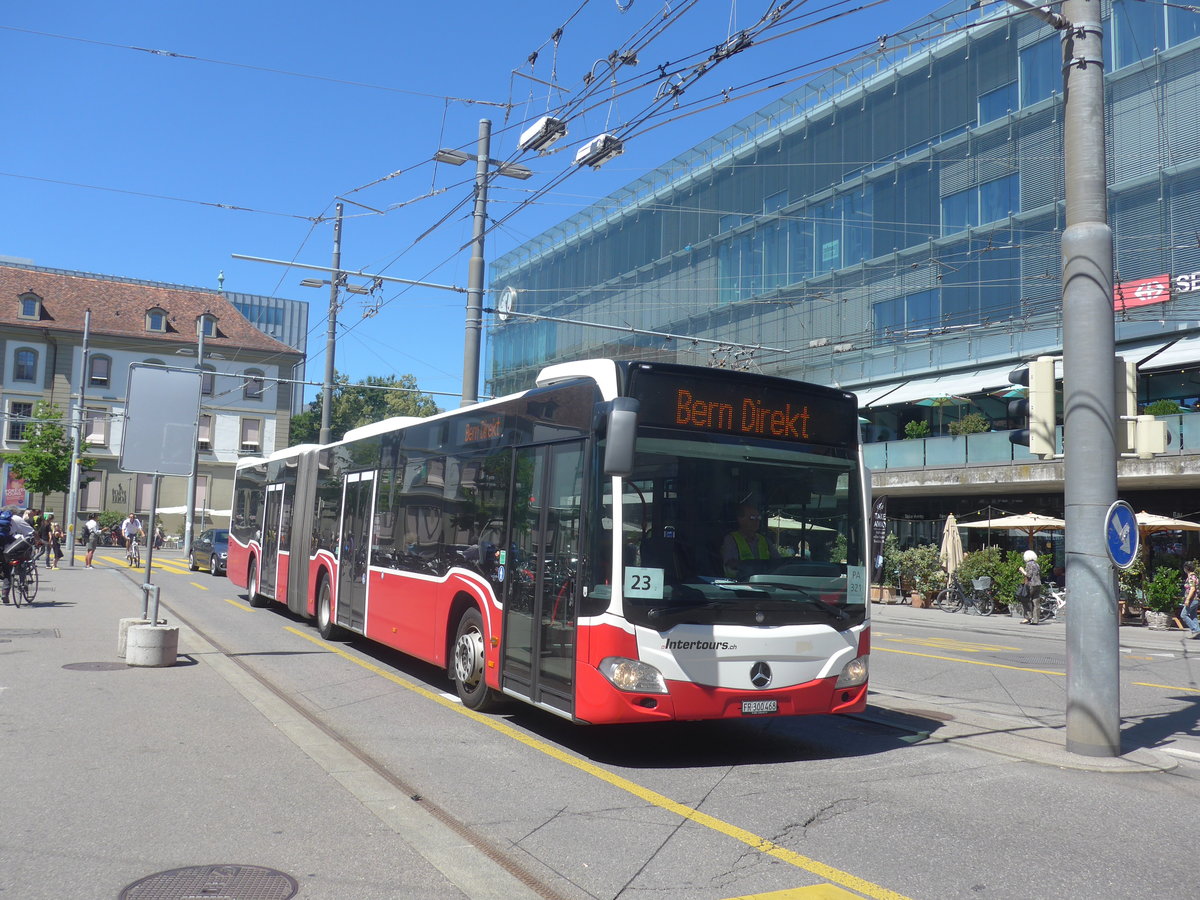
(853, 674)
(633, 675)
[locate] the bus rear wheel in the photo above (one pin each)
(255, 599)
(326, 627)
(468, 663)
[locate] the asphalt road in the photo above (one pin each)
(954, 784)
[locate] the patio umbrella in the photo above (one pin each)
(941, 401)
(1030, 523)
(951, 554)
(1148, 523)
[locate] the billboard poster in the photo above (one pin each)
(14, 489)
(878, 534)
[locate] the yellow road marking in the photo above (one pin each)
(240, 606)
(1167, 687)
(829, 873)
(969, 662)
(951, 644)
(193, 584)
(814, 892)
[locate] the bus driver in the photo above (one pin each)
(745, 543)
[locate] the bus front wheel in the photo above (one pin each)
(468, 663)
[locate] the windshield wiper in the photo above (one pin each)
(835, 611)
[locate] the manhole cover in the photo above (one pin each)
(29, 632)
(95, 666)
(224, 882)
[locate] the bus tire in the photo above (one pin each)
(326, 627)
(467, 664)
(255, 599)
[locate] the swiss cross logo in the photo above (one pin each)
(1143, 292)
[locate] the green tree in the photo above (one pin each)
(44, 462)
(371, 400)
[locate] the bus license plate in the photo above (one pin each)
(759, 707)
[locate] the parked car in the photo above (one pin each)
(210, 551)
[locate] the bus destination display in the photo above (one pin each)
(799, 415)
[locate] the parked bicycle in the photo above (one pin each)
(1052, 603)
(978, 600)
(23, 581)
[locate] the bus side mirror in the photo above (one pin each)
(621, 434)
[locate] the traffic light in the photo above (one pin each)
(1038, 409)
(1126, 405)
(1140, 436)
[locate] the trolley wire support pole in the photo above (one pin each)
(335, 281)
(189, 514)
(474, 326)
(77, 421)
(1093, 716)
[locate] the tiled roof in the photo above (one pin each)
(119, 308)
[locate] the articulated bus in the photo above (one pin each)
(563, 545)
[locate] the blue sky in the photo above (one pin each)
(125, 162)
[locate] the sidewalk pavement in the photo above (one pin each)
(1131, 637)
(1023, 738)
(117, 774)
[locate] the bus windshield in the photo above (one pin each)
(733, 530)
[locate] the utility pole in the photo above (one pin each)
(189, 514)
(473, 337)
(78, 420)
(1089, 400)
(335, 282)
(1089, 405)
(474, 327)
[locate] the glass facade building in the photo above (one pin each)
(899, 217)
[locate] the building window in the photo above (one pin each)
(251, 441)
(95, 426)
(19, 414)
(204, 437)
(998, 103)
(252, 387)
(775, 202)
(156, 320)
(1041, 70)
(894, 319)
(25, 365)
(91, 490)
(207, 378)
(209, 325)
(30, 307)
(1138, 30)
(143, 498)
(99, 371)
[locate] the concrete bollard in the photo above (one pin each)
(152, 645)
(123, 633)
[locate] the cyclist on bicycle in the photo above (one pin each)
(131, 528)
(16, 537)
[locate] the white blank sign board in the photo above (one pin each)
(162, 420)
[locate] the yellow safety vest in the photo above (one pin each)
(745, 551)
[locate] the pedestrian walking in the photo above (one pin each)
(56, 539)
(91, 531)
(1191, 599)
(1030, 591)
(42, 530)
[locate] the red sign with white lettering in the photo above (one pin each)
(1143, 292)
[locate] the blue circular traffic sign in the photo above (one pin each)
(1121, 534)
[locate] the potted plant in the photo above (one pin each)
(924, 568)
(971, 423)
(916, 429)
(1163, 594)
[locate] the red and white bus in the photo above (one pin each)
(564, 545)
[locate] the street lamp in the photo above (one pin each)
(474, 327)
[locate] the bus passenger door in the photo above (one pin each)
(271, 522)
(541, 588)
(354, 549)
